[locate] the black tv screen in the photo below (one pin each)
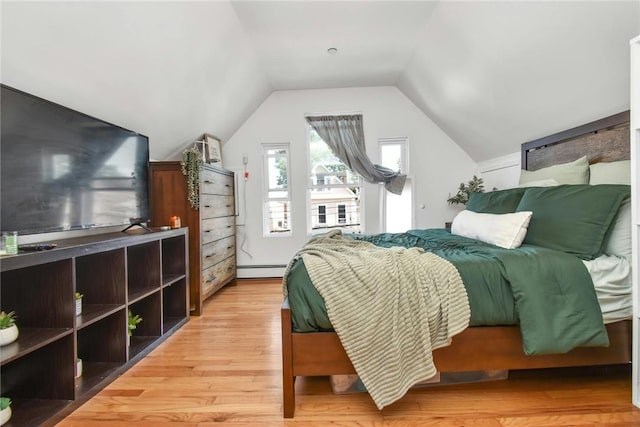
(64, 170)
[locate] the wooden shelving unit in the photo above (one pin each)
(146, 273)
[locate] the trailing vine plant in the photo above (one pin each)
(191, 164)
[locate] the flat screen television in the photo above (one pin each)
(63, 170)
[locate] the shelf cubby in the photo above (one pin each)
(144, 270)
(174, 302)
(40, 295)
(173, 259)
(150, 328)
(102, 348)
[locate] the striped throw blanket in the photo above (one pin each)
(390, 307)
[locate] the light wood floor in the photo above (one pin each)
(225, 368)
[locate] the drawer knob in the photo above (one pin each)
(229, 247)
(210, 255)
(211, 279)
(207, 206)
(206, 181)
(227, 206)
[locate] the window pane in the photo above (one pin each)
(335, 208)
(391, 156)
(398, 213)
(276, 151)
(278, 214)
(327, 168)
(277, 171)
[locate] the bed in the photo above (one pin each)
(322, 353)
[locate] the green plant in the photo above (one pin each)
(5, 402)
(7, 319)
(191, 164)
(79, 295)
(475, 185)
(132, 322)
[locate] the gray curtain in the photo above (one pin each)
(345, 136)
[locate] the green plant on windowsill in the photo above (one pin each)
(191, 164)
(475, 185)
(132, 322)
(7, 319)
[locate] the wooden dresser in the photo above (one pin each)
(212, 240)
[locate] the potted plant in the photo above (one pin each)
(132, 324)
(191, 164)
(475, 185)
(5, 410)
(79, 303)
(8, 328)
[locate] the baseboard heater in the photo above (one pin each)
(260, 271)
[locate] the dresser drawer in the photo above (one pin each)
(213, 278)
(214, 206)
(213, 253)
(216, 228)
(215, 183)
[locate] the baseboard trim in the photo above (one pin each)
(260, 271)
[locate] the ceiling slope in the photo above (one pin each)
(493, 75)
(169, 70)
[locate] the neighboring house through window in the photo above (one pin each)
(334, 190)
(276, 190)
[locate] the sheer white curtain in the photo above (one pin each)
(344, 134)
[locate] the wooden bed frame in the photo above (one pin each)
(493, 347)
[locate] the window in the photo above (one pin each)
(397, 210)
(322, 214)
(277, 193)
(342, 214)
(334, 191)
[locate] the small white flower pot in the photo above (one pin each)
(8, 335)
(78, 307)
(78, 368)
(5, 415)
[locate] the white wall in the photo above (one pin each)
(437, 164)
(501, 172)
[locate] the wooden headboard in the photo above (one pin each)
(605, 140)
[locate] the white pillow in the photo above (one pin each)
(610, 173)
(576, 172)
(503, 230)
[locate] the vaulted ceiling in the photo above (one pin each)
(490, 74)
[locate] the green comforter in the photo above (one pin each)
(549, 293)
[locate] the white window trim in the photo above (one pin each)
(265, 188)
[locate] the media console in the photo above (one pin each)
(144, 272)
